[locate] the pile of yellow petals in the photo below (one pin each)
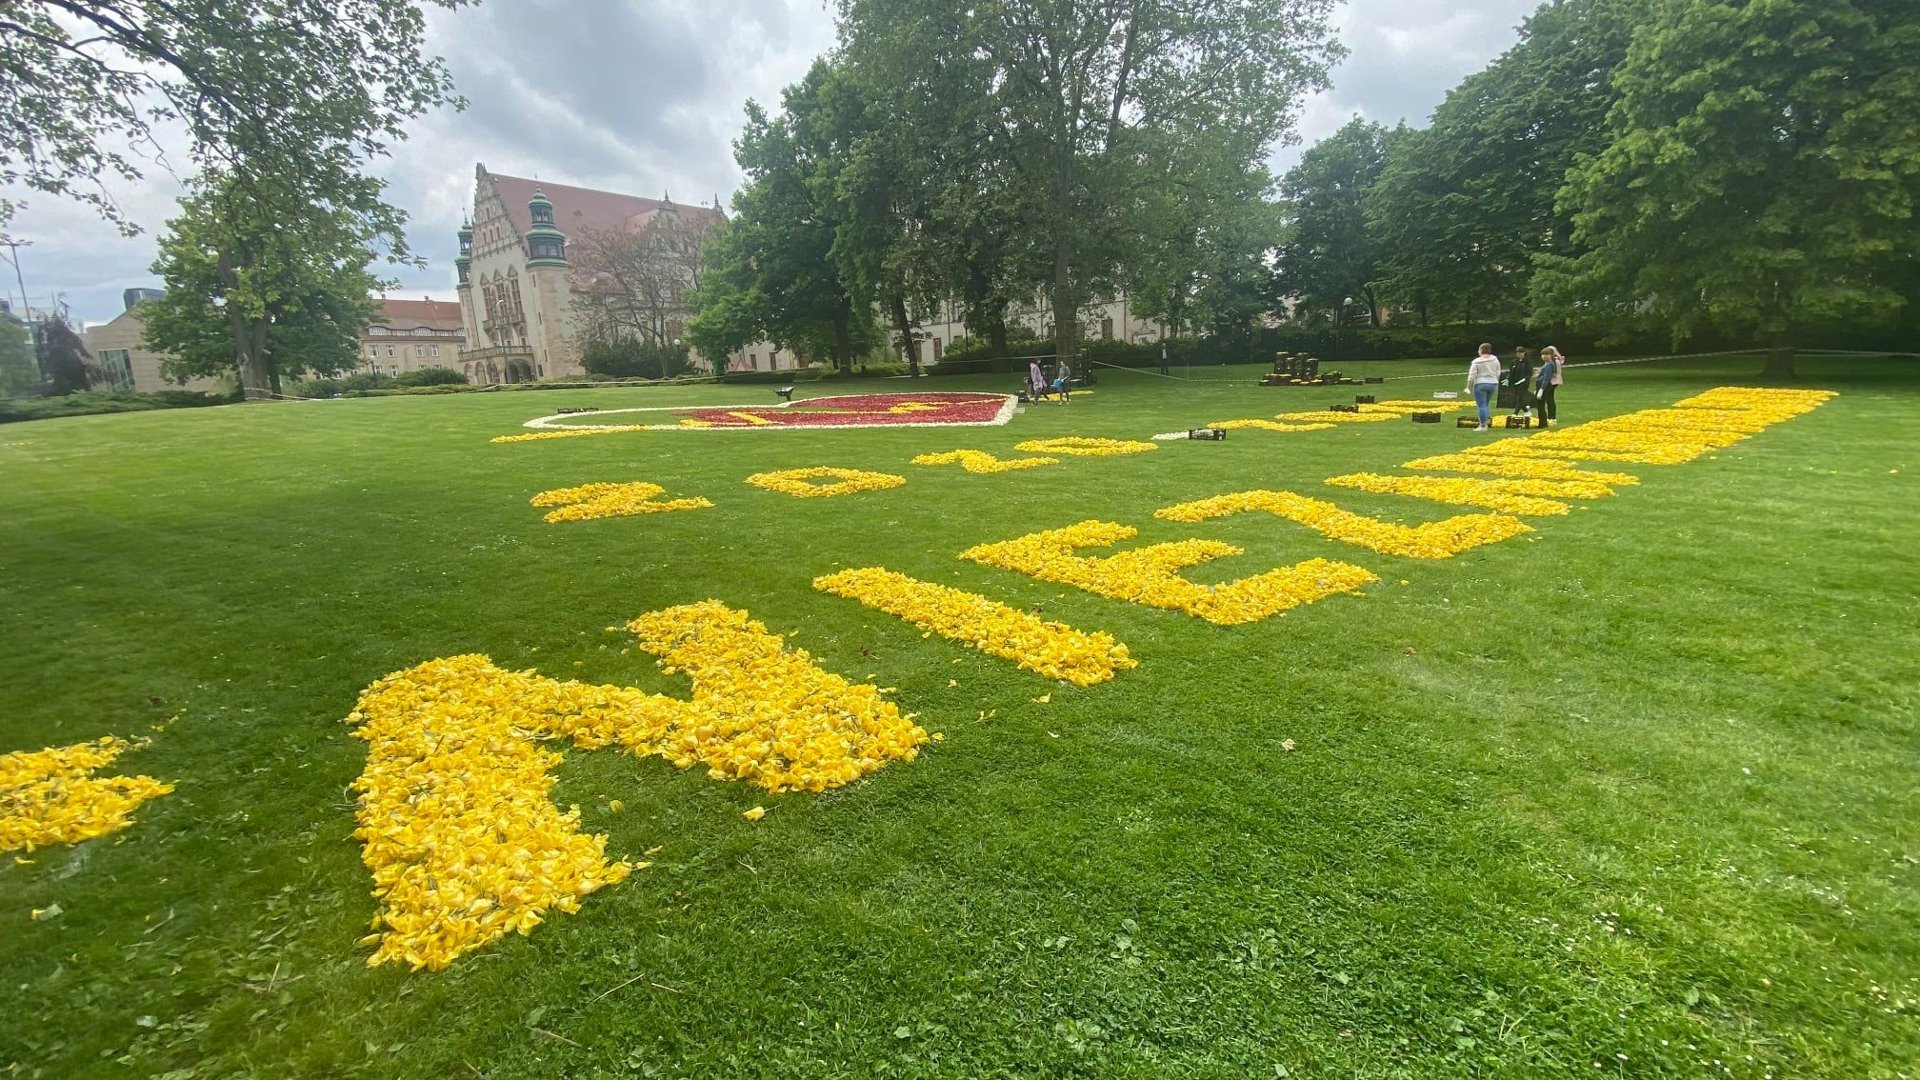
(460, 832)
(589, 501)
(979, 461)
(1267, 425)
(1331, 417)
(570, 433)
(763, 712)
(49, 797)
(1404, 407)
(1535, 497)
(1433, 540)
(463, 841)
(1084, 446)
(1774, 405)
(1052, 649)
(798, 482)
(1150, 575)
(1479, 460)
(1671, 436)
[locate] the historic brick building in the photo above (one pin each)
(411, 335)
(518, 284)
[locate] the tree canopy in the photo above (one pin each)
(1080, 106)
(1331, 252)
(1762, 174)
(268, 280)
(300, 86)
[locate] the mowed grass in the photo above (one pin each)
(1632, 796)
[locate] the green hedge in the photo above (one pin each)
(91, 403)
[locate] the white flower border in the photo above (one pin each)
(551, 421)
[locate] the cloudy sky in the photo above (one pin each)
(644, 97)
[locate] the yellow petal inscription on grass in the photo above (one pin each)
(1434, 540)
(1047, 648)
(460, 832)
(979, 461)
(589, 501)
(50, 797)
(1508, 496)
(1085, 446)
(799, 482)
(1150, 575)
(1267, 425)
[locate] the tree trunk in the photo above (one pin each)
(1779, 359)
(1066, 307)
(904, 327)
(842, 344)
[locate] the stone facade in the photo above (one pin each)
(517, 283)
(129, 365)
(1104, 321)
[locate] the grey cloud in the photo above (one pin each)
(1404, 55)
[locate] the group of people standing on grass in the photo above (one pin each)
(1062, 383)
(1533, 387)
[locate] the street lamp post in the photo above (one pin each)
(13, 254)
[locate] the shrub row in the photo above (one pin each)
(93, 402)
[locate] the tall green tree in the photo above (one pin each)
(1332, 251)
(267, 279)
(1086, 95)
(19, 372)
(1462, 207)
(771, 272)
(65, 359)
(866, 183)
(1763, 173)
(1204, 237)
(295, 82)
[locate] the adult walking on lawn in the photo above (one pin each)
(1551, 363)
(1483, 382)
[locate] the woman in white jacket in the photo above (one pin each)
(1483, 382)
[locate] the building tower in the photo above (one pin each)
(546, 244)
(550, 282)
(462, 264)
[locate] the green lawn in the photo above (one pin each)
(1635, 795)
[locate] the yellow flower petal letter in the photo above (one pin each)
(460, 832)
(48, 797)
(1150, 575)
(979, 461)
(1434, 540)
(1085, 446)
(1052, 649)
(589, 501)
(798, 482)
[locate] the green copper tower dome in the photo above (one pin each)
(465, 259)
(546, 245)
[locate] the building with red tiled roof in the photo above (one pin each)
(518, 285)
(410, 335)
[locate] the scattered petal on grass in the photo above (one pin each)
(1043, 698)
(755, 814)
(1287, 745)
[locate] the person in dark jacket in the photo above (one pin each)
(1520, 377)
